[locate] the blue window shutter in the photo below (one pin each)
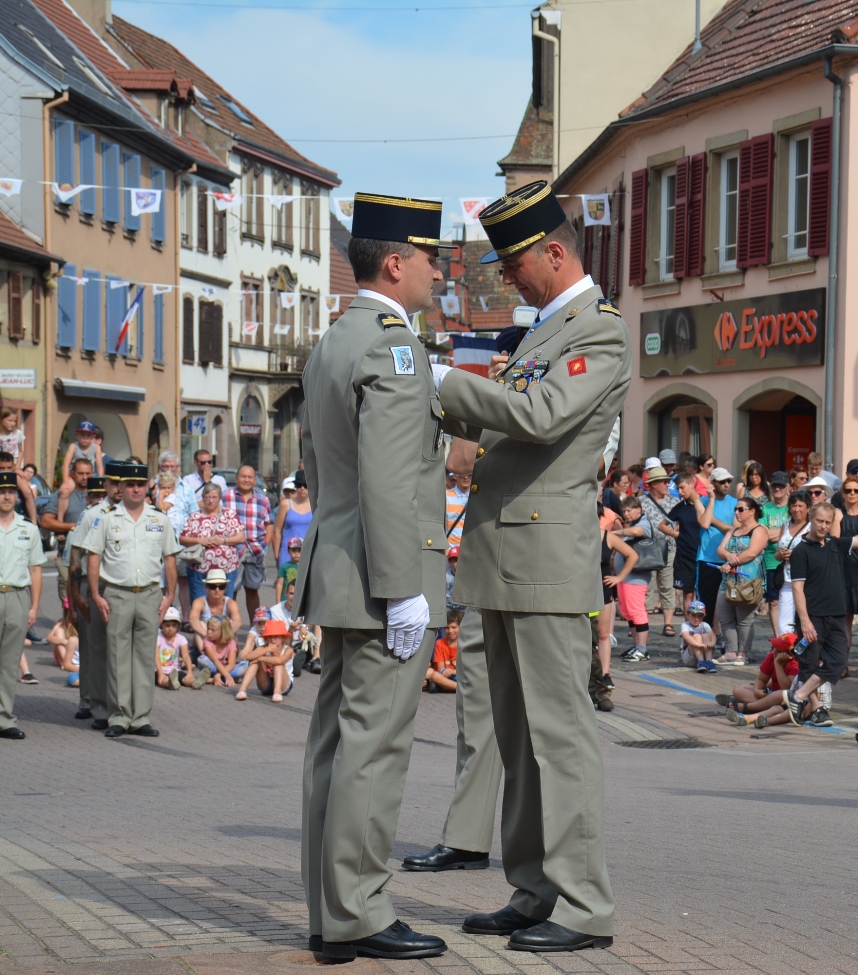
(92, 312)
(159, 218)
(86, 150)
(141, 334)
(67, 309)
(117, 304)
(110, 179)
(131, 166)
(64, 152)
(158, 350)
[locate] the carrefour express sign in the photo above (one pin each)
(771, 332)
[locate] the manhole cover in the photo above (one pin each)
(666, 743)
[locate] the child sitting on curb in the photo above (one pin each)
(173, 665)
(64, 639)
(267, 663)
(441, 676)
(698, 640)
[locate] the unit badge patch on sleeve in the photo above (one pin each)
(403, 360)
(577, 367)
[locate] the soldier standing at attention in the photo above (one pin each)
(21, 560)
(78, 609)
(373, 561)
(126, 549)
(530, 560)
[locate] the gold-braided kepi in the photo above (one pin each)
(516, 221)
(398, 218)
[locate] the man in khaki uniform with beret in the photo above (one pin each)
(530, 560)
(21, 560)
(372, 574)
(126, 549)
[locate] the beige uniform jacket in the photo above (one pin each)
(531, 539)
(131, 551)
(20, 548)
(374, 461)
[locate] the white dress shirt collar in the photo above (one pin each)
(562, 299)
(403, 314)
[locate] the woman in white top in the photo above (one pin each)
(793, 532)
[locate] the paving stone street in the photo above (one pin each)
(182, 854)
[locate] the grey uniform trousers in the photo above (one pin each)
(14, 608)
(552, 827)
(471, 820)
(132, 633)
(93, 645)
(358, 749)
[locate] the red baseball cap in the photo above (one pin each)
(453, 552)
(784, 643)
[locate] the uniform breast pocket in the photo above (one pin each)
(535, 539)
(433, 435)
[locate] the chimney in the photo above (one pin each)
(96, 13)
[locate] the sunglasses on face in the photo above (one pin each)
(729, 480)
(850, 490)
(816, 492)
(743, 509)
(215, 585)
(204, 463)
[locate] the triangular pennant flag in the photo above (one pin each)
(484, 303)
(472, 208)
(278, 201)
(10, 187)
(223, 201)
(281, 329)
(80, 282)
(66, 192)
(209, 292)
(161, 289)
(332, 303)
(597, 210)
(250, 328)
(450, 304)
(288, 299)
(344, 207)
(114, 285)
(145, 201)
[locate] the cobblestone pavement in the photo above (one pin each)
(182, 854)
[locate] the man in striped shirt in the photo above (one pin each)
(457, 500)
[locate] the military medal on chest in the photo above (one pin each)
(527, 371)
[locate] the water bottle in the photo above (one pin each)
(800, 647)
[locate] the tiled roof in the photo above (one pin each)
(160, 55)
(81, 35)
(747, 36)
(342, 277)
(533, 143)
(16, 245)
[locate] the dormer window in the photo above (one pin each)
(236, 110)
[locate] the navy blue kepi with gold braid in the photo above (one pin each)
(516, 221)
(398, 218)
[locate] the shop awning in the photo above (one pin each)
(90, 390)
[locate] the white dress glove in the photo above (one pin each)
(438, 373)
(407, 620)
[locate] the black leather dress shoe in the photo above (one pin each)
(100, 724)
(115, 731)
(315, 944)
(504, 922)
(549, 936)
(445, 858)
(14, 733)
(147, 731)
(82, 714)
(397, 941)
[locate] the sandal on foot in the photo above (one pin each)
(760, 721)
(668, 630)
(241, 696)
(725, 700)
(736, 717)
(277, 698)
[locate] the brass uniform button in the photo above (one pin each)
(474, 489)
(501, 380)
(534, 516)
(428, 541)
(443, 414)
(480, 451)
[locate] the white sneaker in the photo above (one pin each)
(613, 640)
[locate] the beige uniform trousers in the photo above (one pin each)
(552, 829)
(132, 633)
(14, 608)
(93, 648)
(471, 820)
(358, 749)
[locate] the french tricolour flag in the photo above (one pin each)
(473, 353)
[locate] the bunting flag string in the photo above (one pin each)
(450, 304)
(145, 201)
(332, 303)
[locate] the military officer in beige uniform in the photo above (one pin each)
(21, 560)
(530, 558)
(126, 549)
(91, 627)
(372, 574)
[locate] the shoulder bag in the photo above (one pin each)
(195, 554)
(745, 592)
(652, 552)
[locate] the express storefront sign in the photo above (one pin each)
(771, 332)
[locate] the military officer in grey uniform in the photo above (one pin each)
(530, 558)
(92, 630)
(126, 549)
(95, 496)
(21, 560)
(372, 574)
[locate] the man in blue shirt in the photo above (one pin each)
(715, 518)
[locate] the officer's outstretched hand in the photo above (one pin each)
(407, 620)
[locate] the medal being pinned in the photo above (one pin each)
(527, 371)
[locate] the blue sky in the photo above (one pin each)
(346, 74)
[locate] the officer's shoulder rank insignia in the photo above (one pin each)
(606, 306)
(577, 367)
(391, 321)
(403, 360)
